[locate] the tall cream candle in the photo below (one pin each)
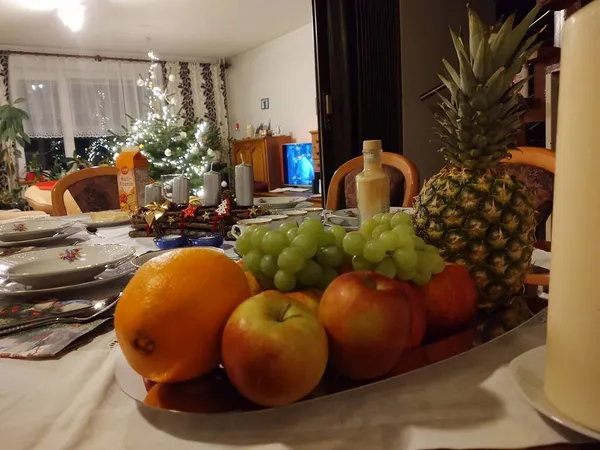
(573, 348)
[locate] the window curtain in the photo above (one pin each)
(73, 97)
(5, 183)
(201, 92)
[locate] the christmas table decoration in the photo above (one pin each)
(194, 219)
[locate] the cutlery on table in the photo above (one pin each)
(94, 232)
(81, 315)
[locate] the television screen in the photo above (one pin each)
(298, 165)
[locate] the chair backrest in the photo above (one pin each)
(399, 162)
(93, 189)
(544, 159)
(533, 156)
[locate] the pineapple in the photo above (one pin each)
(478, 216)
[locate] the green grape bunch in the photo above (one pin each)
(293, 256)
(309, 255)
(388, 244)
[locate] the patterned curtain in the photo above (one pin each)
(201, 92)
(4, 96)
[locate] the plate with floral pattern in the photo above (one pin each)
(60, 235)
(61, 266)
(31, 229)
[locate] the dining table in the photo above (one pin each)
(73, 401)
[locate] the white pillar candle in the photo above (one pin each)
(573, 349)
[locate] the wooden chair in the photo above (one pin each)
(544, 159)
(93, 189)
(405, 166)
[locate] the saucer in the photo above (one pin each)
(528, 373)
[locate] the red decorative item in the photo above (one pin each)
(148, 230)
(190, 211)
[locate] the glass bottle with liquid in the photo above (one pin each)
(372, 184)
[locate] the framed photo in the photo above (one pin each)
(264, 103)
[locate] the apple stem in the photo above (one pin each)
(282, 317)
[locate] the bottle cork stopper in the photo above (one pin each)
(371, 146)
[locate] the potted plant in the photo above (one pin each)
(11, 133)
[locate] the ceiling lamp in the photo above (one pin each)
(71, 12)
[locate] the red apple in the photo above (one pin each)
(418, 318)
(274, 349)
(450, 301)
(367, 318)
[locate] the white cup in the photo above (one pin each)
(238, 229)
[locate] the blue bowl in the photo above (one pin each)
(170, 242)
(206, 240)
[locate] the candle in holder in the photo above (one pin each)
(572, 382)
(153, 193)
(212, 187)
(181, 190)
(244, 184)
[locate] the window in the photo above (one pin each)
(73, 100)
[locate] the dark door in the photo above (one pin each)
(357, 48)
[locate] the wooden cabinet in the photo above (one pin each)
(264, 154)
(316, 150)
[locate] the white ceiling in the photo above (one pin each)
(188, 29)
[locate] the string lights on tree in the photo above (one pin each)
(171, 145)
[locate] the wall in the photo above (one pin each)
(425, 42)
(282, 70)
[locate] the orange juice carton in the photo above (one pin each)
(132, 178)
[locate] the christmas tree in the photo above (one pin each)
(171, 145)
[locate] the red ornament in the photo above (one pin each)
(190, 211)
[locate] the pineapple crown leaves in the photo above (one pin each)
(479, 122)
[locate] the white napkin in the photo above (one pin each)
(541, 258)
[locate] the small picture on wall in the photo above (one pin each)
(264, 103)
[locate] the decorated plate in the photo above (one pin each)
(12, 289)
(30, 229)
(62, 234)
(63, 266)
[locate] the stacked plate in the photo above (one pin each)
(348, 218)
(35, 232)
(276, 203)
(58, 269)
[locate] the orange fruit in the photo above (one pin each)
(253, 284)
(171, 315)
(200, 395)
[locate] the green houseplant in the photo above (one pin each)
(12, 133)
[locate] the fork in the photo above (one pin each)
(84, 315)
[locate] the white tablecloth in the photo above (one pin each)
(466, 402)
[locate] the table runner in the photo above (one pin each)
(466, 402)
